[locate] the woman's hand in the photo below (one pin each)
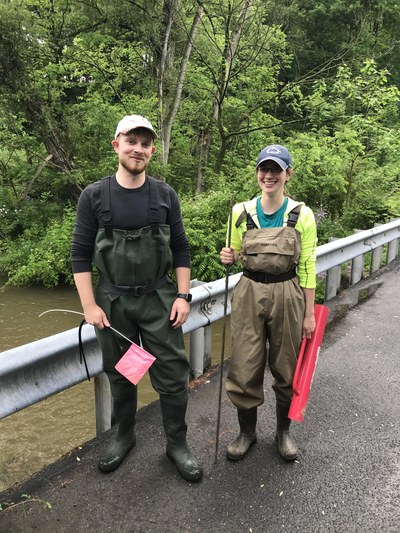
(308, 325)
(227, 256)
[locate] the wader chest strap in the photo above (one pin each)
(250, 224)
(293, 216)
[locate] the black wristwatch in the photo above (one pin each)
(187, 297)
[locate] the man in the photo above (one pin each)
(130, 226)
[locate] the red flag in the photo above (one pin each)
(306, 364)
(134, 363)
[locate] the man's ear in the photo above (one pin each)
(153, 149)
(115, 144)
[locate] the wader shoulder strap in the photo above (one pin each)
(154, 206)
(106, 206)
(293, 216)
(250, 224)
(291, 223)
(241, 217)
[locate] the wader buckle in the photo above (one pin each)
(133, 236)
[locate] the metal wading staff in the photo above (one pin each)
(223, 332)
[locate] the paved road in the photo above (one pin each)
(347, 479)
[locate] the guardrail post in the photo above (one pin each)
(200, 344)
(103, 403)
(200, 350)
(333, 276)
(392, 248)
(357, 266)
(376, 257)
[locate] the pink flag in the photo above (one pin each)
(135, 363)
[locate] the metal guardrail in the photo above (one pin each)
(35, 371)
(340, 250)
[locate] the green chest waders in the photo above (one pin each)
(136, 294)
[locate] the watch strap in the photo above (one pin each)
(184, 296)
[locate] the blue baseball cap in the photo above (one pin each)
(277, 153)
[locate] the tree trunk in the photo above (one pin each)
(51, 136)
(169, 10)
(230, 49)
(168, 123)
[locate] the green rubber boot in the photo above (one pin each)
(287, 446)
(123, 439)
(173, 410)
(238, 448)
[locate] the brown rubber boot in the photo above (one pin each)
(237, 449)
(286, 444)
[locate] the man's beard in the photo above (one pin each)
(137, 169)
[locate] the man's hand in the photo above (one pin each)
(95, 316)
(179, 312)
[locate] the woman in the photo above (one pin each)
(275, 239)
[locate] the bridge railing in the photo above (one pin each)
(35, 371)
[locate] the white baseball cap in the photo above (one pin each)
(132, 122)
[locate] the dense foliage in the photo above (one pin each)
(220, 80)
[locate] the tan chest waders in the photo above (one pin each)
(267, 305)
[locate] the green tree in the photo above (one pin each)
(221, 80)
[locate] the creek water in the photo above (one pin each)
(42, 433)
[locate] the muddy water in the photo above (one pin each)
(40, 434)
